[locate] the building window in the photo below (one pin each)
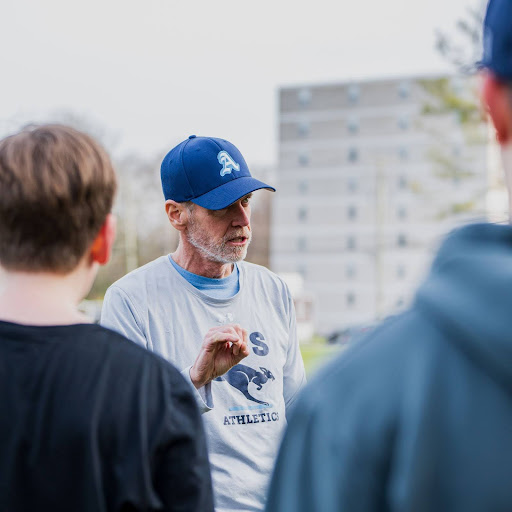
(304, 96)
(353, 93)
(302, 244)
(457, 151)
(352, 125)
(401, 240)
(400, 271)
(402, 182)
(352, 212)
(352, 184)
(303, 271)
(403, 123)
(303, 129)
(303, 159)
(403, 153)
(303, 187)
(303, 214)
(350, 271)
(401, 213)
(404, 90)
(351, 242)
(351, 299)
(353, 155)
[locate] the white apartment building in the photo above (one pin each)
(370, 176)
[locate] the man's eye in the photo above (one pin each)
(219, 213)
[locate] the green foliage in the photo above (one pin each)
(318, 353)
(463, 48)
(458, 208)
(445, 99)
(476, 134)
(465, 207)
(448, 167)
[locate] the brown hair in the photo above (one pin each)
(57, 186)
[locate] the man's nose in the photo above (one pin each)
(242, 216)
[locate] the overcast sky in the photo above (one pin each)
(152, 72)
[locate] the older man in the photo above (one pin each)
(418, 416)
(243, 312)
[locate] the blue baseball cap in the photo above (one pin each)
(209, 172)
(498, 39)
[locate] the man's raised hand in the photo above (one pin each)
(223, 347)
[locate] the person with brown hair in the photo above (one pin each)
(88, 420)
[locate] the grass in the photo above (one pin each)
(317, 353)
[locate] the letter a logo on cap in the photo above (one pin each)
(228, 164)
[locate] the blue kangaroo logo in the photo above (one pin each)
(228, 164)
(240, 375)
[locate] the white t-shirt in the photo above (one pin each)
(158, 308)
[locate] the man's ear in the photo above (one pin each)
(177, 213)
(101, 248)
(497, 98)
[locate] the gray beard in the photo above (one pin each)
(213, 252)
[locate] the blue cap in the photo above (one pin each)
(498, 38)
(209, 172)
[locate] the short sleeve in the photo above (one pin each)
(120, 314)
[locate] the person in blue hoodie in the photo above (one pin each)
(418, 415)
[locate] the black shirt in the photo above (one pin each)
(90, 421)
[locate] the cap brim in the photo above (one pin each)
(221, 197)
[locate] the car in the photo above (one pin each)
(349, 334)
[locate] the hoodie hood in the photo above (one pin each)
(469, 293)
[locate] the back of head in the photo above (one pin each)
(498, 39)
(497, 60)
(57, 186)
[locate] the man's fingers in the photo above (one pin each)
(241, 331)
(223, 327)
(228, 337)
(242, 351)
(230, 332)
(223, 342)
(236, 328)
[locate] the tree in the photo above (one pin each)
(464, 49)
(143, 230)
